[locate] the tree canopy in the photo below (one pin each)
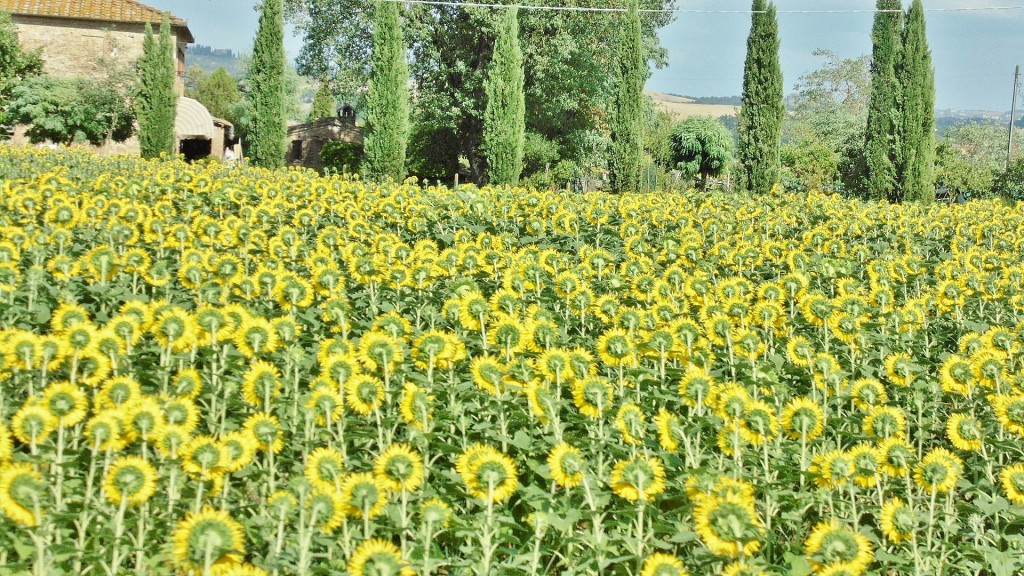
(567, 57)
(15, 63)
(701, 146)
(68, 110)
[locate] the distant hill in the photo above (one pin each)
(682, 107)
(210, 59)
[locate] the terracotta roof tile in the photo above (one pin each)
(103, 10)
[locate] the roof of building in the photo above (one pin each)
(99, 10)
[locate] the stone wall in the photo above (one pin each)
(86, 48)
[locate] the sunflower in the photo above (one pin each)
(592, 396)
(833, 468)
(884, 422)
(555, 364)
(728, 525)
(488, 374)
(338, 367)
(32, 423)
(175, 329)
(186, 383)
(143, 418)
(181, 412)
(638, 478)
(326, 402)
(6, 446)
(831, 544)
(416, 406)
(228, 569)
(398, 468)
(66, 402)
(938, 471)
(117, 392)
(1009, 411)
(1012, 478)
(364, 394)
(897, 456)
(616, 347)
(695, 386)
(670, 430)
(487, 473)
(508, 334)
(629, 421)
(900, 369)
(21, 493)
(566, 464)
(661, 564)
(364, 494)
(208, 537)
(964, 432)
(327, 509)
(897, 521)
(256, 336)
(867, 393)
(203, 457)
(260, 383)
(325, 469)
(801, 417)
(380, 350)
(266, 429)
(435, 512)
(866, 462)
(106, 431)
(758, 423)
(377, 556)
(131, 478)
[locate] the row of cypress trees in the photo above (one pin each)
(156, 103)
(899, 147)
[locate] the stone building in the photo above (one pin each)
(308, 139)
(89, 37)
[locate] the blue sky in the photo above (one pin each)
(973, 52)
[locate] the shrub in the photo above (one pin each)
(339, 157)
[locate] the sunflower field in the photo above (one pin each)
(213, 371)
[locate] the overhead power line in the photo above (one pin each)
(689, 10)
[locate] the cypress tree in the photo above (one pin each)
(323, 102)
(882, 142)
(267, 89)
(917, 78)
(762, 109)
(628, 119)
(505, 116)
(387, 112)
(156, 101)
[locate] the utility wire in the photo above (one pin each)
(689, 10)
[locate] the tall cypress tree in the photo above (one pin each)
(628, 119)
(505, 116)
(917, 78)
(387, 112)
(762, 109)
(267, 89)
(885, 121)
(156, 102)
(323, 102)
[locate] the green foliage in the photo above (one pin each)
(763, 110)
(67, 110)
(219, 93)
(156, 101)
(323, 102)
(505, 115)
(970, 156)
(883, 140)
(955, 171)
(627, 118)
(432, 152)
(387, 113)
(539, 153)
(341, 157)
(917, 79)
(831, 103)
(1010, 183)
(809, 164)
(658, 126)
(568, 59)
(701, 146)
(15, 64)
(267, 89)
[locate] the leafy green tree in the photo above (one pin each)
(68, 110)
(628, 114)
(810, 164)
(323, 102)
(971, 155)
(387, 113)
(884, 122)
(1009, 184)
(505, 115)
(15, 64)
(917, 160)
(218, 92)
(568, 60)
(156, 101)
(267, 89)
(763, 110)
(701, 146)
